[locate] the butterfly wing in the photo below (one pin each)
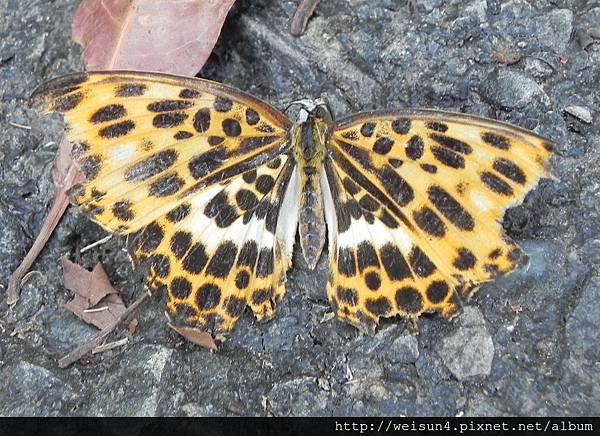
(418, 198)
(201, 169)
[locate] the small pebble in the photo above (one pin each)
(580, 112)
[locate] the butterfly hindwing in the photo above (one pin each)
(227, 247)
(200, 169)
(419, 196)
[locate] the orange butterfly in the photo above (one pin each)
(218, 182)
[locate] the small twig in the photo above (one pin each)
(29, 275)
(94, 244)
(94, 342)
(99, 309)
(19, 126)
(305, 10)
(61, 202)
(110, 346)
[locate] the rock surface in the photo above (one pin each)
(526, 345)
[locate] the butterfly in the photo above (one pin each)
(216, 184)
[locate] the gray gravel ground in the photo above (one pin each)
(359, 54)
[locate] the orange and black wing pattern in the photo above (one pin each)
(419, 196)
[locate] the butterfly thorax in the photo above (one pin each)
(309, 150)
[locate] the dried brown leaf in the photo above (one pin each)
(175, 36)
(96, 301)
(196, 336)
(132, 327)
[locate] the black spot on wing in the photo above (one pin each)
(466, 259)
(150, 238)
(242, 279)
(368, 203)
(246, 199)
(252, 117)
(122, 210)
(249, 176)
(383, 145)
(189, 93)
(496, 184)
(347, 296)
(166, 185)
(431, 169)
(182, 134)
(420, 263)
(367, 129)
(437, 291)
(248, 254)
(110, 112)
(264, 183)
(160, 265)
(448, 157)
(67, 102)
(179, 213)
(401, 126)
(451, 143)
(222, 261)
(396, 163)
(203, 164)
(223, 104)
(378, 306)
(116, 130)
(510, 170)
(215, 140)
(394, 263)
(350, 187)
(450, 208)
(180, 288)
(346, 262)
(372, 280)
(79, 149)
(90, 166)
(130, 90)
(169, 105)
(262, 295)
(415, 147)
(180, 243)
(429, 222)
(208, 296)
(495, 140)
(169, 119)
(151, 166)
(235, 306)
(231, 127)
(196, 259)
(436, 126)
(409, 300)
(396, 186)
(202, 120)
(366, 256)
(265, 264)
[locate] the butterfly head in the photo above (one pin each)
(312, 121)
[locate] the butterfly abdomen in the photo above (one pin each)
(310, 151)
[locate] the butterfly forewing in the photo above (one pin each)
(419, 196)
(200, 169)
